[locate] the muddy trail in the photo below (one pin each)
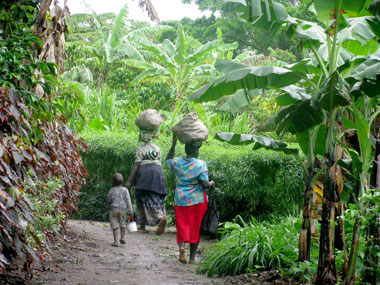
(85, 256)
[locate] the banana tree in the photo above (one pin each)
(313, 93)
(180, 64)
(113, 43)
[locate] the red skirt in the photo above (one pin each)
(188, 221)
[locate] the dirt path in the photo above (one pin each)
(88, 258)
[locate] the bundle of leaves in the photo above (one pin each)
(32, 150)
(249, 246)
(259, 183)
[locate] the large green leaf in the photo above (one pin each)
(149, 73)
(239, 100)
(343, 56)
(241, 76)
(130, 50)
(317, 136)
(363, 131)
(299, 117)
(324, 8)
(226, 66)
(368, 69)
(292, 94)
(334, 93)
(264, 14)
(180, 47)
(310, 33)
(117, 31)
(258, 141)
(358, 29)
(139, 64)
(204, 50)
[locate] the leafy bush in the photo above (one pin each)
(253, 245)
(47, 220)
(32, 151)
(259, 183)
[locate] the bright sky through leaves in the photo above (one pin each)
(166, 9)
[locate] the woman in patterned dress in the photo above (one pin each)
(190, 196)
(150, 184)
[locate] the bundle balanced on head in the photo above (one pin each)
(147, 174)
(192, 180)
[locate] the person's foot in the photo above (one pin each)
(182, 257)
(116, 244)
(161, 226)
(122, 241)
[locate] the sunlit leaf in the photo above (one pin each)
(258, 141)
(239, 100)
(241, 76)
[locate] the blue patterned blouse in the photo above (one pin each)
(189, 172)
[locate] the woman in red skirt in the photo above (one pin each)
(190, 196)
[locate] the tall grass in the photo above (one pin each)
(246, 246)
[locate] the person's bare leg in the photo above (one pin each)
(182, 252)
(193, 251)
(161, 226)
(142, 228)
(122, 234)
(116, 237)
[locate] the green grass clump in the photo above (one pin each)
(247, 246)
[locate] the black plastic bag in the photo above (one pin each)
(211, 219)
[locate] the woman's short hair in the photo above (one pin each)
(192, 149)
(117, 179)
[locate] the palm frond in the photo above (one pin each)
(149, 73)
(205, 50)
(169, 46)
(128, 49)
(118, 27)
(149, 30)
(139, 64)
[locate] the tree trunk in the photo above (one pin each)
(305, 235)
(350, 277)
(326, 266)
(326, 273)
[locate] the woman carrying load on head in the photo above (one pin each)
(149, 182)
(190, 196)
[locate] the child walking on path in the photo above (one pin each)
(119, 201)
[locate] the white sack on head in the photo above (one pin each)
(150, 119)
(190, 129)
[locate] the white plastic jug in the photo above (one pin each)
(131, 226)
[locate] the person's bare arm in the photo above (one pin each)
(133, 173)
(172, 148)
(207, 184)
(129, 203)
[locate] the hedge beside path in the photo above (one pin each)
(258, 183)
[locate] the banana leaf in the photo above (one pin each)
(242, 76)
(239, 100)
(258, 141)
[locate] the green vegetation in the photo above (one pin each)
(287, 88)
(253, 246)
(36, 147)
(244, 191)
